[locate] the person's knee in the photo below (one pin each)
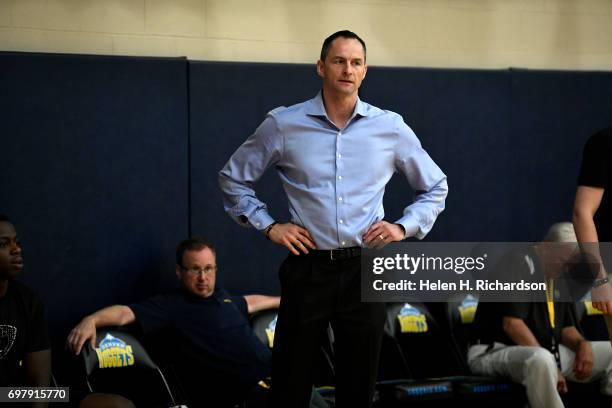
(539, 363)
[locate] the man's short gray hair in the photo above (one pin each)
(561, 232)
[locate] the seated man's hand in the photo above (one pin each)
(583, 363)
(82, 332)
(561, 383)
(382, 233)
(293, 237)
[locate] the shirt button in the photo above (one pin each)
(339, 198)
(257, 224)
(339, 177)
(339, 133)
(341, 222)
(339, 156)
(343, 243)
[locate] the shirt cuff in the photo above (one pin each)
(411, 227)
(261, 220)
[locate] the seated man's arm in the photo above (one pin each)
(255, 303)
(519, 332)
(117, 315)
(583, 363)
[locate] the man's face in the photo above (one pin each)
(11, 262)
(198, 272)
(344, 67)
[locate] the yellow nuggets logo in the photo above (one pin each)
(590, 309)
(114, 352)
(412, 320)
(467, 310)
(270, 330)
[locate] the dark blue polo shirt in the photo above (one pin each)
(211, 337)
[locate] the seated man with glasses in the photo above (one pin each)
(218, 356)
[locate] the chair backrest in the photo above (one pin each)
(120, 364)
(264, 325)
(460, 313)
(591, 321)
(427, 350)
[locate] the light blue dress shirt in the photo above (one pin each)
(334, 178)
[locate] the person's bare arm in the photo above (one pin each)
(255, 303)
(37, 365)
(586, 204)
(519, 332)
(583, 362)
(117, 315)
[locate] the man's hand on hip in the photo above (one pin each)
(292, 236)
(383, 232)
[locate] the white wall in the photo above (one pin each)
(566, 34)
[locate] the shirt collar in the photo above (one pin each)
(316, 107)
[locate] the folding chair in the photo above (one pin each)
(476, 390)
(119, 364)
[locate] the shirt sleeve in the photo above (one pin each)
(425, 177)
(38, 334)
(594, 169)
(260, 151)
(241, 305)
(153, 314)
(569, 315)
(519, 310)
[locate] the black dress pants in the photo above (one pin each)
(315, 291)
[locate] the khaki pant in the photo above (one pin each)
(536, 368)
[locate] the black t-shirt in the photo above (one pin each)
(210, 336)
(597, 172)
(23, 329)
(488, 321)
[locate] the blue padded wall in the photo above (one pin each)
(108, 161)
(553, 114)
(94, 174)
(461, 118)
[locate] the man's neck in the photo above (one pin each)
(339, 108)
(3, 287)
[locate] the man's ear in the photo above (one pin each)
(365, 71)
(320, 68)
(177, 269)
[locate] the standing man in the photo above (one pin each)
(334, 154)
(593, 212)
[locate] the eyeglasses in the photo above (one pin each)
(207, 270)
